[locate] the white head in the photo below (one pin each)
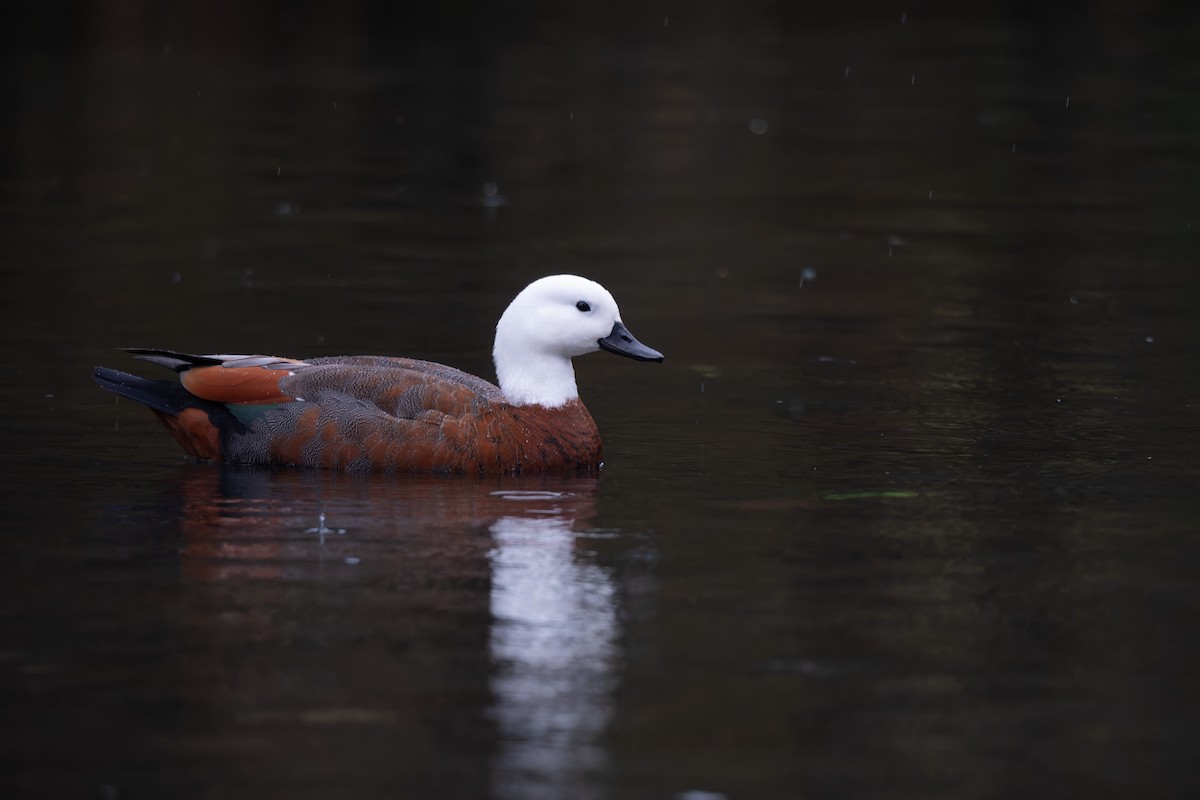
(550, 322)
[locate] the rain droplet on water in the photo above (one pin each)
(491, 195)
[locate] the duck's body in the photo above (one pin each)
(374, 412)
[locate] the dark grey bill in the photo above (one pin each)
(621, 342)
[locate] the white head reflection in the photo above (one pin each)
(554, 647)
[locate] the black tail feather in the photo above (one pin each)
(172, 360)
(167, 397)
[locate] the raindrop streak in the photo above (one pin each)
(913, 82)
(1068, 101)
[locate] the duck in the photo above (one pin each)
(383, 413)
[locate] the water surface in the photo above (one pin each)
(909, 510)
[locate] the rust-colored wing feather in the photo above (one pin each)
(234, 382)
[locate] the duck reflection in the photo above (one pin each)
(554, 643)
(426, 609)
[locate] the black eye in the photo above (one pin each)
(583, 306)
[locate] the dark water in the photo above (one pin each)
(909, 511)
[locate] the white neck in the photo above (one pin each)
(541, 379)
(548, 323)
